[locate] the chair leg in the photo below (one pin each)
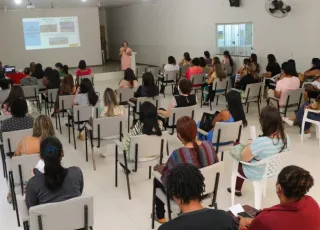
(86, 143)
(302, 130)
(248, 107)
(233, 180)
(128, 184)
(153, 204)
(259, 107)
(222, 155)
(149, 172)
(74, 136)
(257, 194)
(26, 225)
(93, 156)
(217, 100)
(69, 133)
(169, 207)
(59, 123)
(116, 167)
(57, 114)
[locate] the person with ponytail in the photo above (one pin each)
(63, 69)
(57, 183)
(197, 153)
(227, 63)
(85, 94)
(296, 209)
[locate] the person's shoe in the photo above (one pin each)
(160, 221)
(237, 193)
(288, 121)
(205, 104)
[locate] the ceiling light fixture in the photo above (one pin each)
(84, 0)
(17, 1)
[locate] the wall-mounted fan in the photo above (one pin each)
(277, 8)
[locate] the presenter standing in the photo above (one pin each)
(125, 53)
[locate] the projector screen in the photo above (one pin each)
(50, 33)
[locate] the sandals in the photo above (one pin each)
(239, 194)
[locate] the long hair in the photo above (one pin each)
(87, 87)
(51, 153)
(66, 85)
(149, 119)
(65, 69)
(129, 76)
(38, 71)
(271, 125)
(219, 70)
(43, 127)
(151, 87)
(293, 63)
(271, 59)
(110, 100)
(32, 67)
(16, 92)
(186, 56)
(187, 130)
(82, 65)
(236, 109)
(227, 54)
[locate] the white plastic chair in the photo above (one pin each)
(49, 216)
(65, 103)
(306, 119)
(3, 95)
(51, 98)
(125, 94)
(90, 77)
(273, 165)
(169, 78)
(197, 79)
(221, 86)
(252, 94)
(177, 113)
(31, 93)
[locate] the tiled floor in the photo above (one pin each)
(113, 210)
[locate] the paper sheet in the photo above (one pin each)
(236, 209)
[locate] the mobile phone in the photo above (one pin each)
(245, 215)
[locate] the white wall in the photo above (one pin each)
(12, 48)
(171, 27)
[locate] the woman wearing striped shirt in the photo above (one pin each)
(271, 142)
(197, 153)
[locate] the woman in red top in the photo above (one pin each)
(195, 69)
(83, 70)
(296, 210)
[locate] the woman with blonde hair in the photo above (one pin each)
(42, 128)
(111, 105)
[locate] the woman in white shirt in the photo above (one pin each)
(172, 65)
(85, 94)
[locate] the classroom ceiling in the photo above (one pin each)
(45, 4)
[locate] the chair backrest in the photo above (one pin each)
(141, 100)
(110, 127)
(148, 145)
(206, 70)
(14, 138)
(305, 83)
(4, 117)
(210, 174)
(254, 89)
(25, 163)
(293, 97)
(229, 133)
(52, 95)
(82, 113)
(30, 91)
(125, 94)
(183, 69)
(65, 102)
(140, 71)
(171, 75)
(220, 85)
(90, 77)
(3, 95)
(197, 79)
(177, 113)
(54, 214)
(274, 164)
(40, 84)
(154, 70)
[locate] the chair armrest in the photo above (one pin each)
(157, 176)
(312, 111)
(119, 144)
(23, 210)
(87, 126)
(202, 132)
(250, 164)
(131, 104)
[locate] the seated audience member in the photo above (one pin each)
(148, 87)
(273, 141)
(83, 70)
(16, 93)
(246, 75)
(186, 61)
(234, 113)
(28, 80)
(184, 99)
(227, 63)
(195, 69)
(129, 80)
(312, 90)
(38, 71)
(111, 105)
(32, 67)
(147, 124)
(298, 75)
(254, 61)
(216, 71)
(313, 73)
(286, 82)
(42, 128)
(15, 77)
(5, 84)
(57, 183)
(62, 69)
(203, 63)
(298, 116)
(198, 153)
(208, 59)
(273, 69)
(296, 210)
(85, 94)
(171, 65)
(67, 88)
(186, 187)
(20, 118)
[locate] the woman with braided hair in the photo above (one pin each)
(198, 153)
(296, 210)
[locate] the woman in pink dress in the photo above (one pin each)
(125, 53)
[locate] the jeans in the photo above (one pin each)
(239, 181)
(312, 116)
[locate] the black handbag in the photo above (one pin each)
(206, 121)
